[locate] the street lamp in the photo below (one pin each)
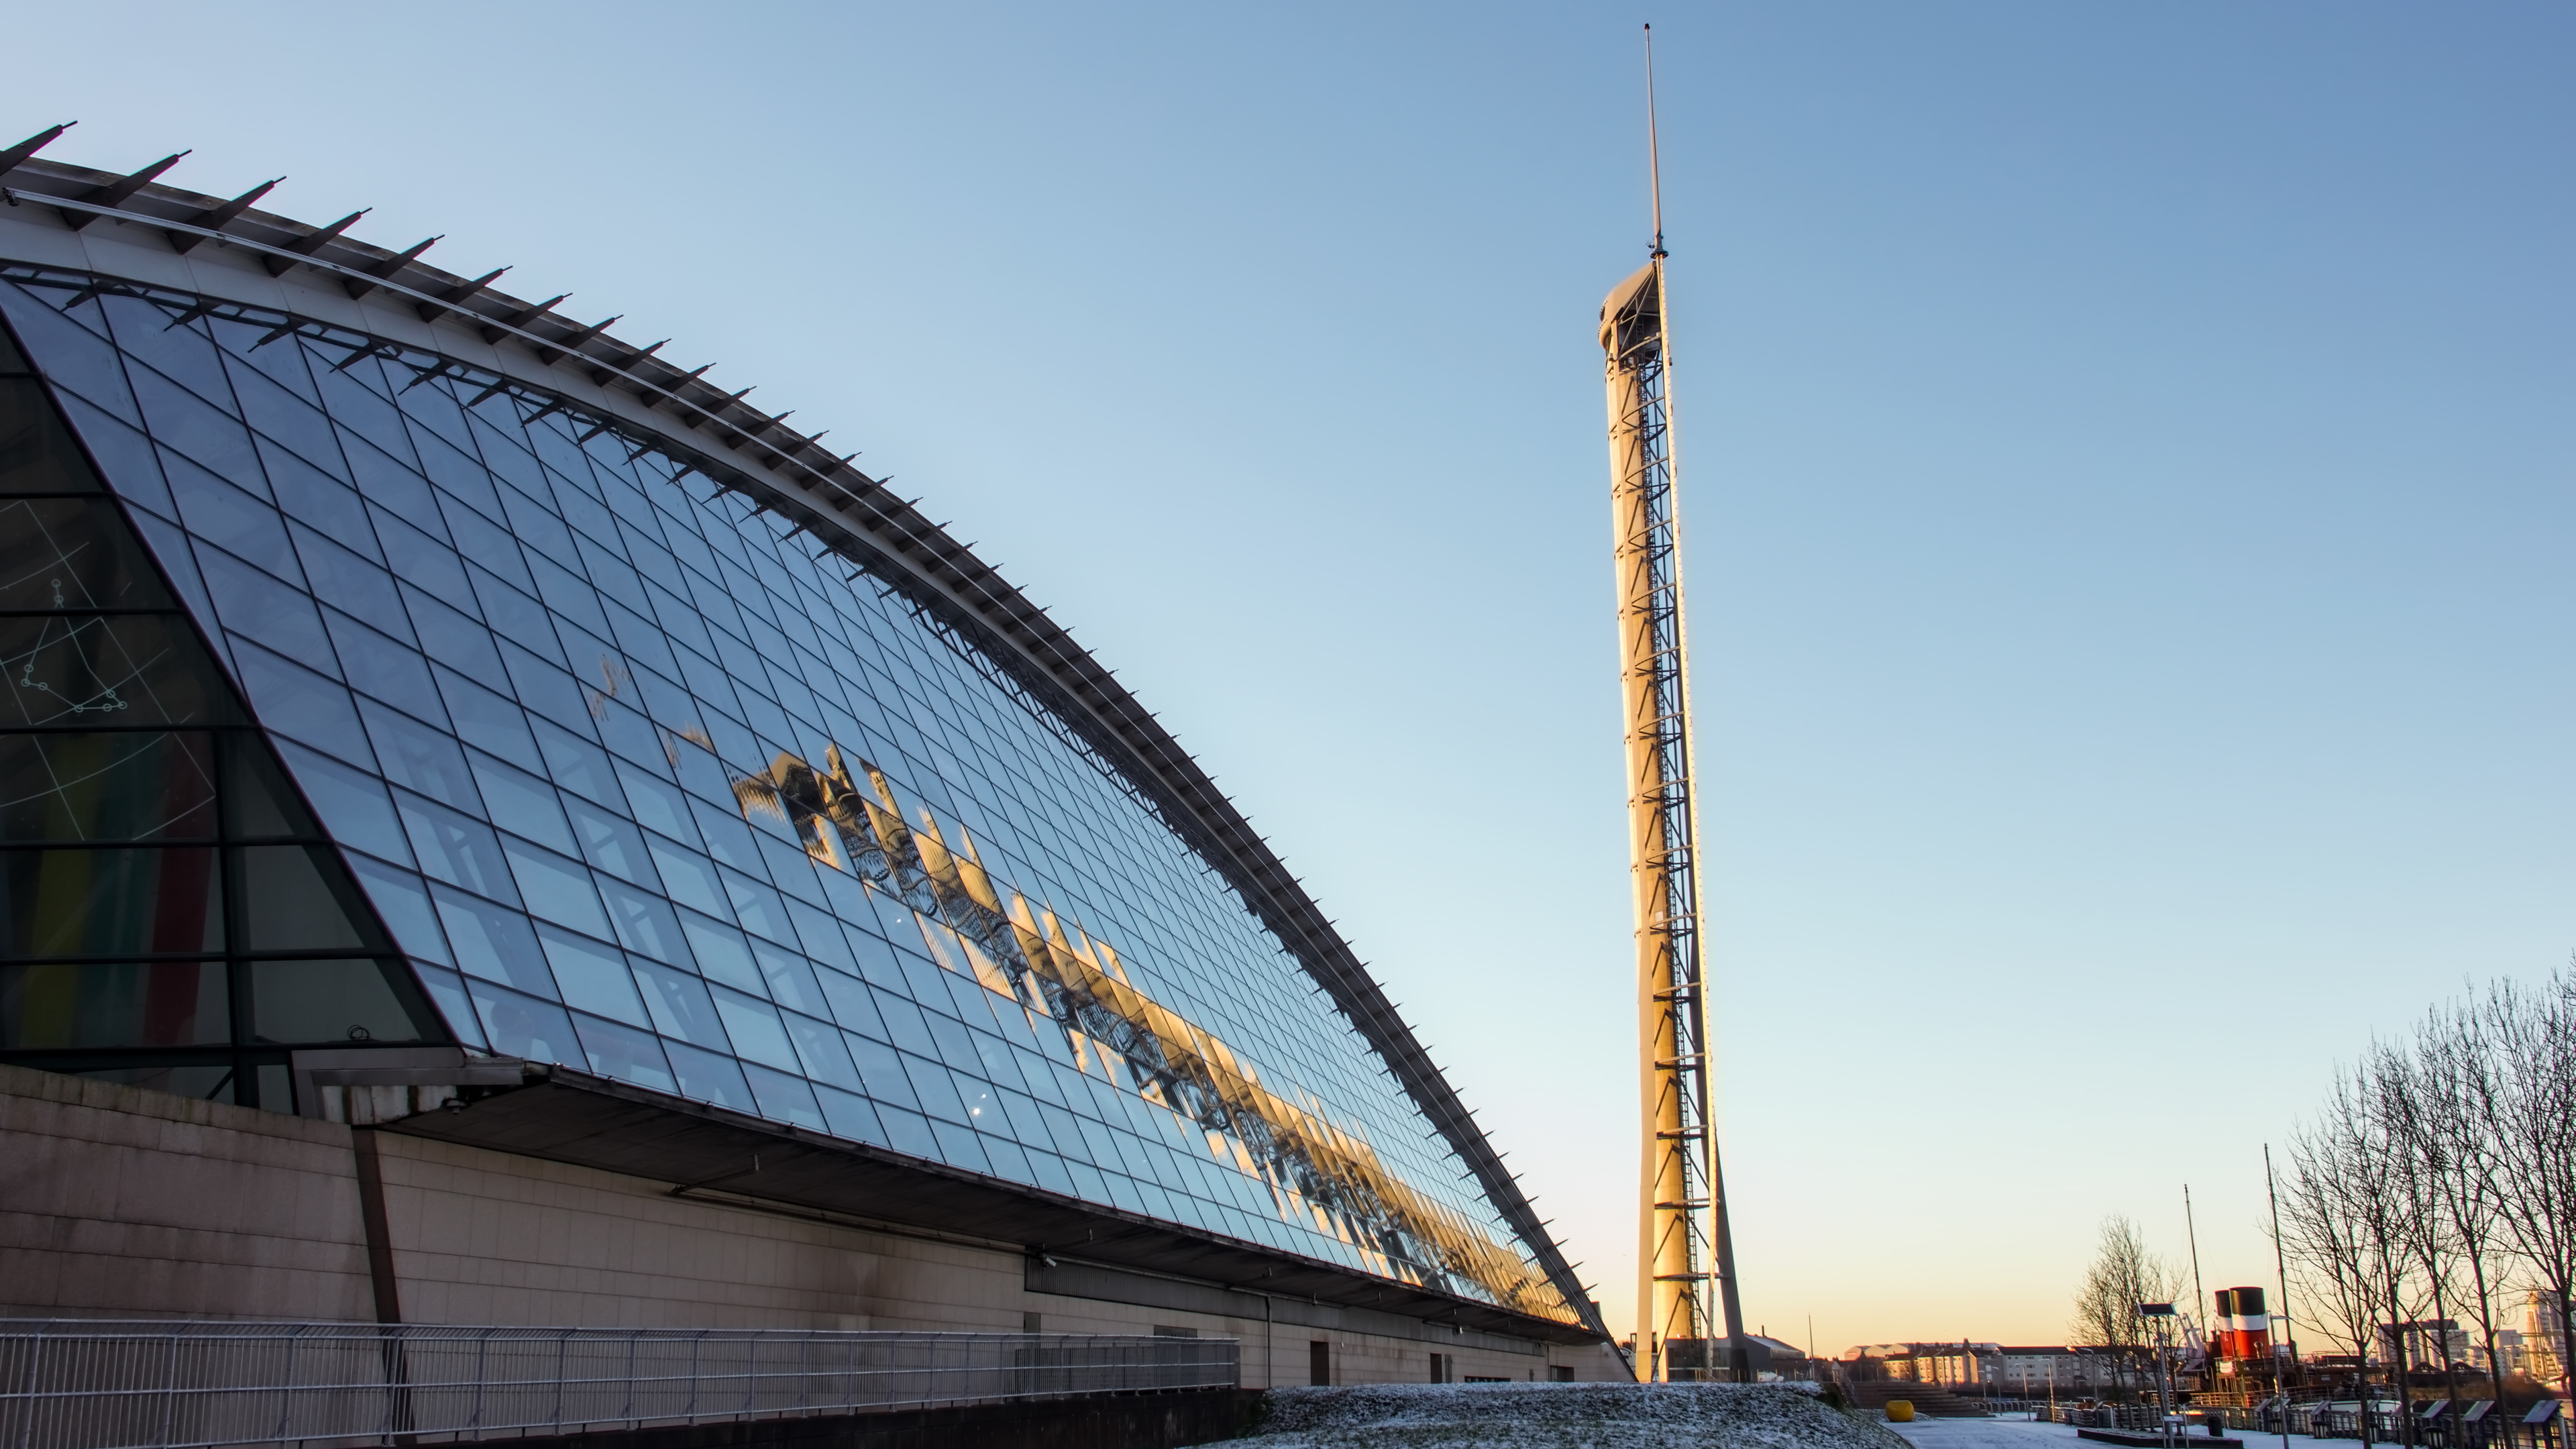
(2160, 1317)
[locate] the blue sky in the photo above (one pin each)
(2126, 459)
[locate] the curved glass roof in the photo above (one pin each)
(642, 781)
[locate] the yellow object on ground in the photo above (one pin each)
(1900, 1411)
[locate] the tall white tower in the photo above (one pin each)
(1684, 1249)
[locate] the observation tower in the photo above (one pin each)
(1684, 1249)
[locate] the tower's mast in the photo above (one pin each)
(1683, 1245)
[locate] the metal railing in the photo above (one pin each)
(2339, 1419)
(88, 1384)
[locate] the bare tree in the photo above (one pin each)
(2356, 1224)
(2400, 1101)
(2123, 1274)
(2330, 1251)
(2455, 1070)
(2533, 1109)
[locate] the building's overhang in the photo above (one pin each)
(712, 1154)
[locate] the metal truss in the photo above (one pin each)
(1685, 1259)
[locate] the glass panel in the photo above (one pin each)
(594, 977)
(328, 1001)
(625, 1053)
(186, 422)
(110, 902)
(645, 922)
(231, 519)
(403, 903)
(785, 1098)
(710, 1078)
(555, 889)
(447, 990)
(523, 1026)
(106, 787)
(493, 942)
(72, 553)
(257, 803)
(296, 701)
(128, 670)
(456, 849)
(288, 904)
(755, 1029)
(352, 805)
(205, 1081)
(138, 1004)
(680, 1006)
(36, 452)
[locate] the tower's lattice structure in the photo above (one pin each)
(1685, 1254)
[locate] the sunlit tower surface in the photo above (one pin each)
(1685, 1255)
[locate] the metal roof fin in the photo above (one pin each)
(390, 265)
(10, 158)
(115, 192)
(548, 352)
(306, 246)
(456, 296)
(609, 369)
(214, 218)
(499, 384)
(523, 317)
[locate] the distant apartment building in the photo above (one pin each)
(2428, 1344)
(2037, 1369)
(2002, 1368)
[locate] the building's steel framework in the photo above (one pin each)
(1684, 1248)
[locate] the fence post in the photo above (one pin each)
(563, 1341)
(170, 1390)
(286, 1382)
(482, 1353)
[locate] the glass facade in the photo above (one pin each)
(169, 914)
(635, 778)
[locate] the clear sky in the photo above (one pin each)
(2126, 452)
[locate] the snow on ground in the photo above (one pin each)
(1565, 1416)
(2024, 1434)
(1991, 1434)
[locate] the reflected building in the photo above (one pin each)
(443, 735)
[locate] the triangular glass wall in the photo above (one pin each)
(170, 913)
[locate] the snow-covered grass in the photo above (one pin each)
(1562, 1416)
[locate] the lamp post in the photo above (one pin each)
(2160, 1318)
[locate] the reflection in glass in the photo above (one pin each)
(110, 902)
(1315, 1170)
(126, 1004)
(72, 553)
(132, 669)
(76, 787)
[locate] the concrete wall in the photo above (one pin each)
(118, 1201)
